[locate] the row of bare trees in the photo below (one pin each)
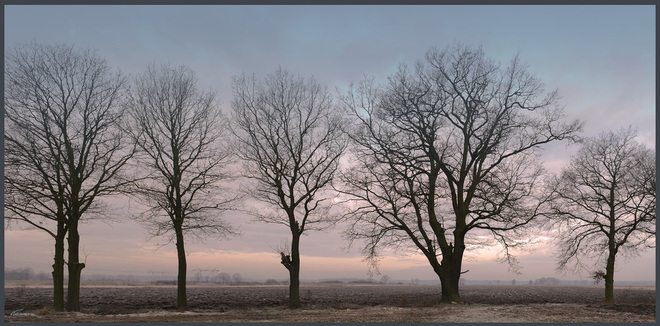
(440, 159)
(75, 131)
(445, 159)
(445, 151)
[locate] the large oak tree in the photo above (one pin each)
(444, 150)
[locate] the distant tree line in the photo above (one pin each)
(547, 281)
(441, 158)
(25, 273)
(218, 278)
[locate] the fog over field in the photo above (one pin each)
(601, 59)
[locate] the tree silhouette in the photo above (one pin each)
(290, 141)
(180, 134)
(605, 202)
(447, 149)
(63, 147)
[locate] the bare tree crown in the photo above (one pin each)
(605, 198)
(290, 139)
(183, 155)
(61, 116)
(445, 149)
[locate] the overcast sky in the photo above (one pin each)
(600, 58)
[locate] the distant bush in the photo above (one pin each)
(332, 282)
(362, 282)
(163, 282)
(547, 281)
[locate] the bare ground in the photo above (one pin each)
(342, 303)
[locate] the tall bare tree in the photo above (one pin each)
(63, 147)
(445, 150)
(290, 139)
(28, 199)
(605, 202)
(181, 135)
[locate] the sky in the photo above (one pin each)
(600, 58)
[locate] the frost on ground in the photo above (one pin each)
(390, 303)
(532, 313)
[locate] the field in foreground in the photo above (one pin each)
(336, 303)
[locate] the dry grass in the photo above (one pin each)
(47, 310)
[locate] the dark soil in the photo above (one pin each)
(109, 301)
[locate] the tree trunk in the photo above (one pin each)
(450, 272)
(612, 250)
(181, 299)
(609, 278)
(58, 272)
(450, 289)
(75, 268)
(294, 273)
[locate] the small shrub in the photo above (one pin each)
(47, 310)
(598, 276)
(161, 282)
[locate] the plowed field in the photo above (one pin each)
(336, 303)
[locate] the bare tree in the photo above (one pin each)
(224, 278)
(385, 278)
(290, 140)
(180, 131)
(63, 147)
(445, 150)
(605, 203)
